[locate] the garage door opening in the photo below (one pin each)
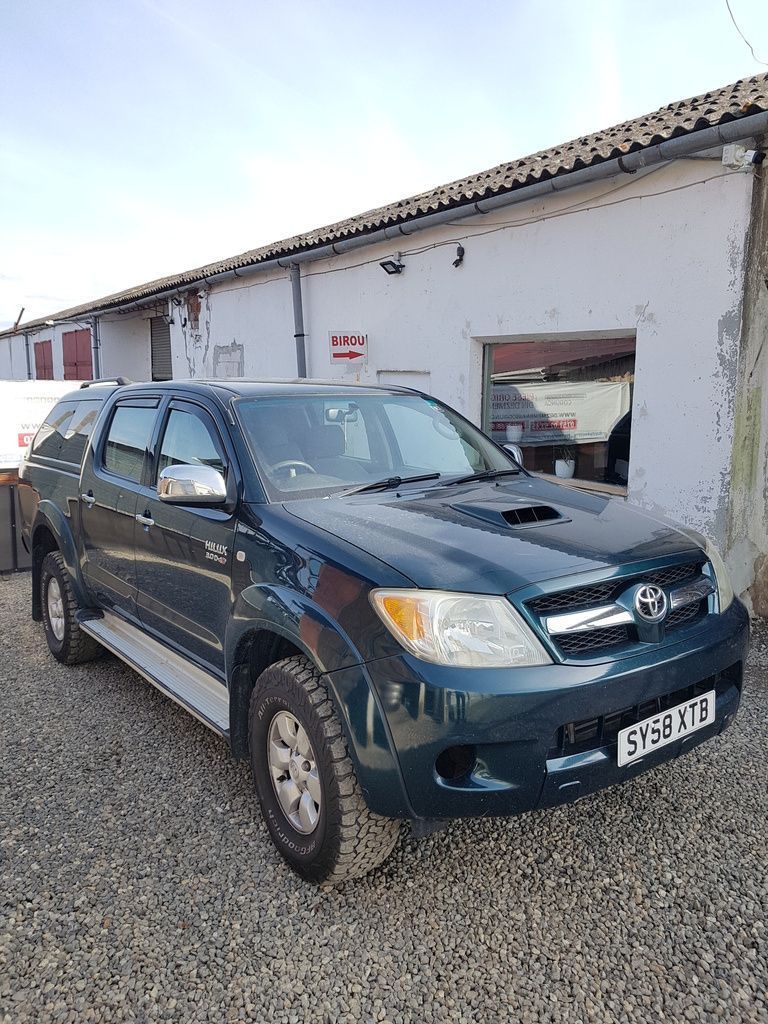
(160, 342)
(567, 403)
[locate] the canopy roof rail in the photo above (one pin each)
(106, 380)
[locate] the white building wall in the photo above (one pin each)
(13, 359)
(613, 258)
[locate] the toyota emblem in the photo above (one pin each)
(650, 603)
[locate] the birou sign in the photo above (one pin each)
(348, 348)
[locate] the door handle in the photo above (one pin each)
(88, 499)
(145, 519)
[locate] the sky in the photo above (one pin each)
(140, 138)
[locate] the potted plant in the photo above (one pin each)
(565, 461)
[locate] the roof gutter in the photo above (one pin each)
(670, 149)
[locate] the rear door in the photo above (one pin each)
(184, 553)
(112, 476)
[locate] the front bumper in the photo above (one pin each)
(512, 718)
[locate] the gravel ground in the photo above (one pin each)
(139, 883)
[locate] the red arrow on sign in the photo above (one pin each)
(347, 355)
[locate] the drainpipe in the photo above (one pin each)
(95, 348)
(28, 354)
(298, 322)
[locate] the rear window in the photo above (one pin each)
(65, 432)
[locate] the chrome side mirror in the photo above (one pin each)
(515, 451)
(192, 485)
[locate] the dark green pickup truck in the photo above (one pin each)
(374, 602)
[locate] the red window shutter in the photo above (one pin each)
(69, 349)
(43, 360)
(76, 346)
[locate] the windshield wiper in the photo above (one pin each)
(485, 474)
(386, 484)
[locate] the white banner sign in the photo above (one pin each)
(24, 404)
(577, 413)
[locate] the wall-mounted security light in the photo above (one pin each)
(392, 266)
(740, 158)
(50, 323)
(459, 256)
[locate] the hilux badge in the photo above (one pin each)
(651, 603)
(216, 552)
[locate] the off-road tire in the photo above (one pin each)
(349, 840)
(75, 647)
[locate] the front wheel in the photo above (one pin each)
(306, 782)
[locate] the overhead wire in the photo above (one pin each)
(751, 48)
(524, 222)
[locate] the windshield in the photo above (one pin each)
(316, 445)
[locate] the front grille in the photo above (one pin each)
(595, 639)
(603, 593)
(593, 733)
(598, 640)
(686, 614)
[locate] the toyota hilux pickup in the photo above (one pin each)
(374, 603)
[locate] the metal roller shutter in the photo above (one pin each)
(160, 335)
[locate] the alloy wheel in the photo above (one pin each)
(55, 608)
(293, 769)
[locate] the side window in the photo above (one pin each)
(78, 431)
(127, 440)
(189, 441)
(50, 437)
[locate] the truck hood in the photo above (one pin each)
(493, 537)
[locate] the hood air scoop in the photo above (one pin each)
(518, 516)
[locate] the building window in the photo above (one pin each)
(43, 360)
(76, 348)
(567, 403)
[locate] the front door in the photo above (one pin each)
(109, 486)
(184, 553)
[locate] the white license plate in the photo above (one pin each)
(653, 733)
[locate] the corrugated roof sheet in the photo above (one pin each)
(742, 98)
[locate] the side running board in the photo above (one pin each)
(196, 690)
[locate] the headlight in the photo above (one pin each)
(723, 580)
(461, 630)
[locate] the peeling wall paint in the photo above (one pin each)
(196, 340)
(228, 360)
(747, 525)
